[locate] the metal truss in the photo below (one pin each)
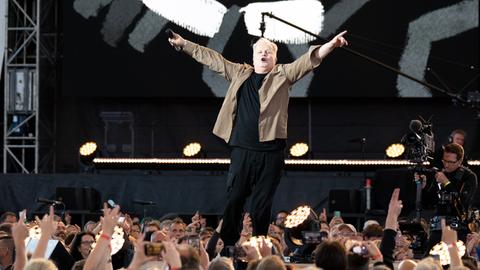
(26, 131)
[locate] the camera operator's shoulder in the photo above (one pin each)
(466, 170)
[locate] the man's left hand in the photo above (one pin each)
(441, 178)
(339, 40)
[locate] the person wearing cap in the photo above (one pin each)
(342, 230)
(369, 222)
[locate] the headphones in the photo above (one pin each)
(457, 131)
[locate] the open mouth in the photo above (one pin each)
(263, 59)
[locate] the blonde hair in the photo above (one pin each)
(221, 263)
(267, 41)
(40, 264)
(428, 264)
(153, 265)
(271, 263)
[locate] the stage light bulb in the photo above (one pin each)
(395, 150)
(297, 216)
(192, 149)
(441, 250)
(299, 149)
(88, 148)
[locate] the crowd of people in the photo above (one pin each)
(172, 242)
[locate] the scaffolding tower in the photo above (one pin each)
(24, 51)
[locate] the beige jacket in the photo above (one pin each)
(273, 94)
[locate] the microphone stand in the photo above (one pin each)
(455, 97)
(418, 200)
(262, 24)
(144, 207)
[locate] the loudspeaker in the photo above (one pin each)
(55, 252)
(21, 90)
(344, 200)
(79, 198)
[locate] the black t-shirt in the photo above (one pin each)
(245, 128)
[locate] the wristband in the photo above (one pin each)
(106, 237)
(451, 245)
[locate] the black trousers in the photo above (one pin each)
(256, 174)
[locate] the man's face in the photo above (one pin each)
(203, 222)
(458, 139)
(177, 230)
(151, 228)
(264, 57)
(61, 230)
(10, 219)
(91, 227)
(450, 162)
(275, 231)
(280, 219)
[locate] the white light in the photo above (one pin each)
(307, 14)
(226, 161)
(192, 149)
(474, 162)
(441, 250)
(395, 150)
(88, 148)
(297, 216)
(117, 239)
(33, 233)
(299, 149)
(202, 17)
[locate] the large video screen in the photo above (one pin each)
(118, 48)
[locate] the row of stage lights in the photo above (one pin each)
(194, 156)
(88, 151)
(195, 150)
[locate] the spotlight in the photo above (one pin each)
(193, 149)
(116, 243)
(88, 152)
(395, 150)
(299, 149)
(302, 233)
(441, 251)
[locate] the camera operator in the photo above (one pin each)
(457, 136)
(452, 194)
